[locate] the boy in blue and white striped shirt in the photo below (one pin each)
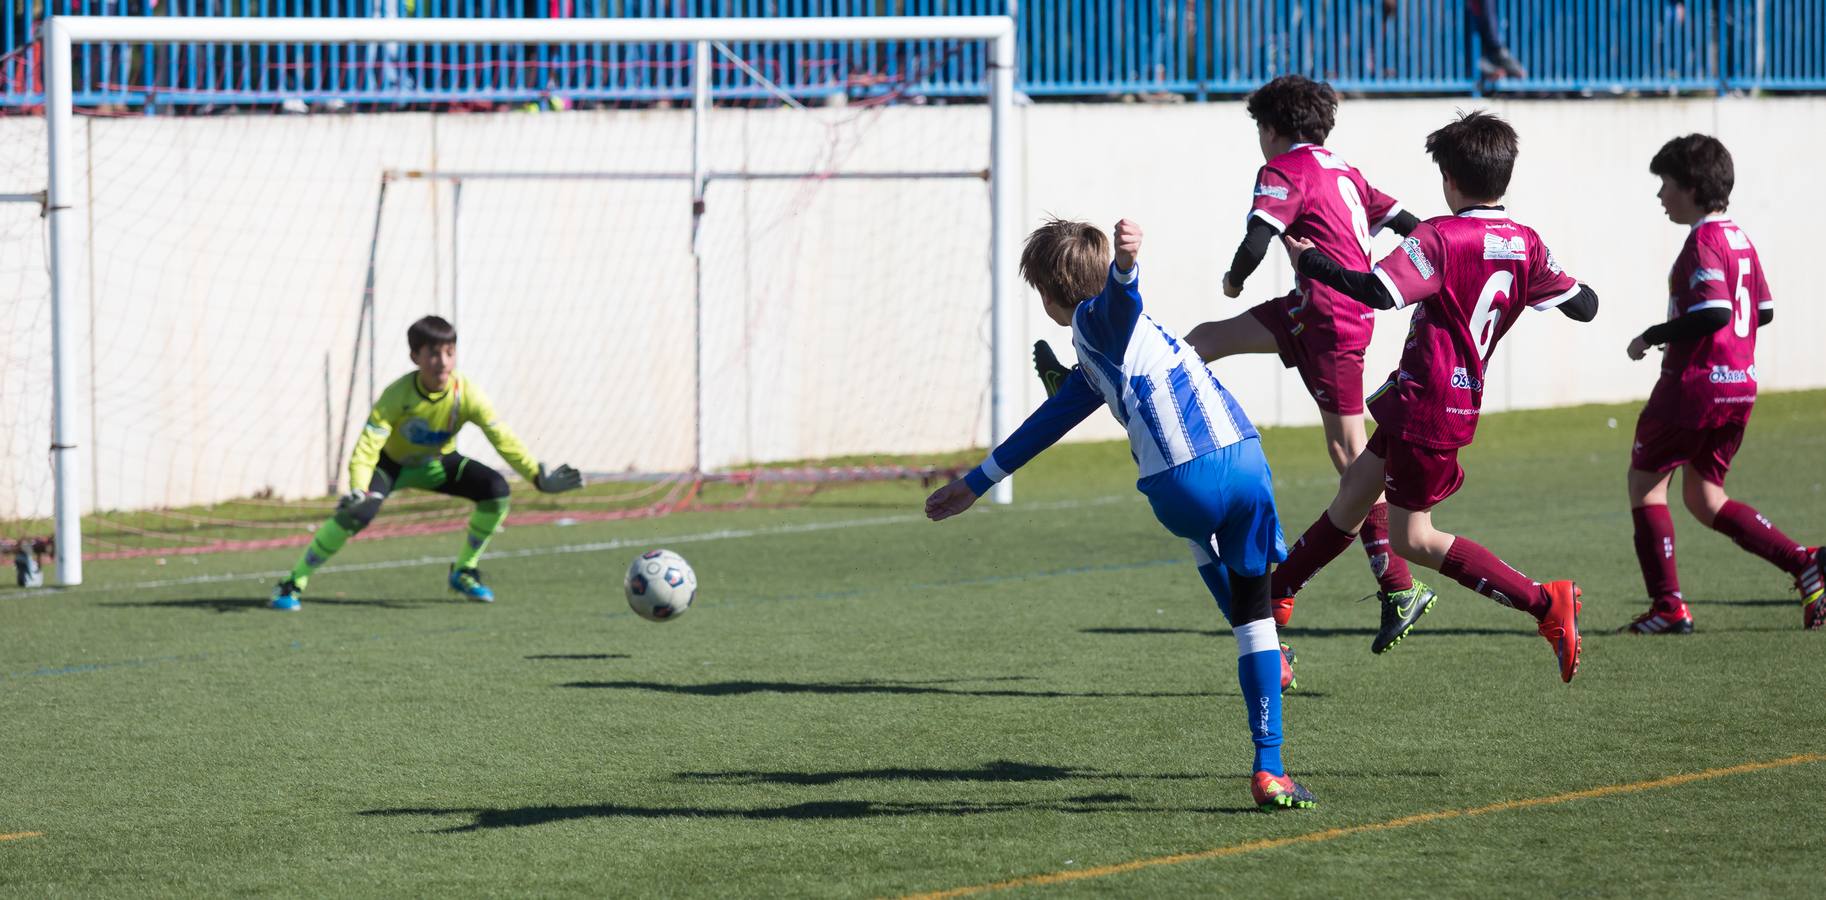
(1201, 461)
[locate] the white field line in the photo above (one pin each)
(726, 534)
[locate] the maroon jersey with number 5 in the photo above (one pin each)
(1712, 381)
(1470, 275)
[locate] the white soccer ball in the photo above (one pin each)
(660, 586)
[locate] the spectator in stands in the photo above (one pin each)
(1497, 61)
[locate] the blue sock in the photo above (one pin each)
(1258, 670)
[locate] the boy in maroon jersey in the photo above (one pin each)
(1307, 191)
(1694, 420)
(1470, 275)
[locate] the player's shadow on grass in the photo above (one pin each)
(1001, 770)
(935, 686)
(243, 604)
(482, 818)
(1791, 601)
(1007, 771)
(579, 656)
(1299, 631)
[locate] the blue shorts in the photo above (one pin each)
(1222, 502)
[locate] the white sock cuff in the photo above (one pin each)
(1255, 637)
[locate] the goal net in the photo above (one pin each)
(737, 302)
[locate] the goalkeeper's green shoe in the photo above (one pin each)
(1052, 372)
(468, 582)
(1400, 610)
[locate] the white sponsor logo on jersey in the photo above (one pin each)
(1411, 247)
(1726, 375)
(1498, 247)
(1271, 190)
(1466, 380)
(1701, 276)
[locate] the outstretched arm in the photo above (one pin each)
(1249, 255)
(477, 409)
(1056, 417)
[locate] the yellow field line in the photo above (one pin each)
(20, 835)
(1332, 834)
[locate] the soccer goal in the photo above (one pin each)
(664, 290)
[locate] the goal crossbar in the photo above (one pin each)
(62, 198)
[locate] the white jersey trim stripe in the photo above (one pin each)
(1264, 216)
(1393, 212)
(1766, 304)
(1395, 292)
(1709, 304)
(1552, 302)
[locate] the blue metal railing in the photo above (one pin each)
(1068, 48)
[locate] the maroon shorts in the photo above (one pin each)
(1333, 376)
(1663, 447)
(1415, 478)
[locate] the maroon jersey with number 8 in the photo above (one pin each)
(1310, 192)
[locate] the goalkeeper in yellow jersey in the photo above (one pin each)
(410, 442)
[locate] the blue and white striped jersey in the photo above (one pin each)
(1174, 409)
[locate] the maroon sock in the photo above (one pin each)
(1756, 534)
(1655, 553)
(1321, 544)
(1478, 569)
(1391, 571)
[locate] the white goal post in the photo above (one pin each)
(63, 33)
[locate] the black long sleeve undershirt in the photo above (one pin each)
(1367, 289)
(1583, 307)
(1251, 251)
(1696, 325)
(1363, 287)
(1404, 223)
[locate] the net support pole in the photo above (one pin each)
(456, 248)
(1003, 291)
(59, 201)
(700, 113)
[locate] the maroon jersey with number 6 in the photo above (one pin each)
(1470, 275)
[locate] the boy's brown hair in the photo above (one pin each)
(1478, 151)
(430, 331)
(1701, 164)
(1066, 262)
(1296, 107)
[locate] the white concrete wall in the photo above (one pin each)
(225, 260)
(1582, 181)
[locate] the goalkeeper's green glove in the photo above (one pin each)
(557, 481)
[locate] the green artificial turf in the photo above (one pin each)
(865, 703)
